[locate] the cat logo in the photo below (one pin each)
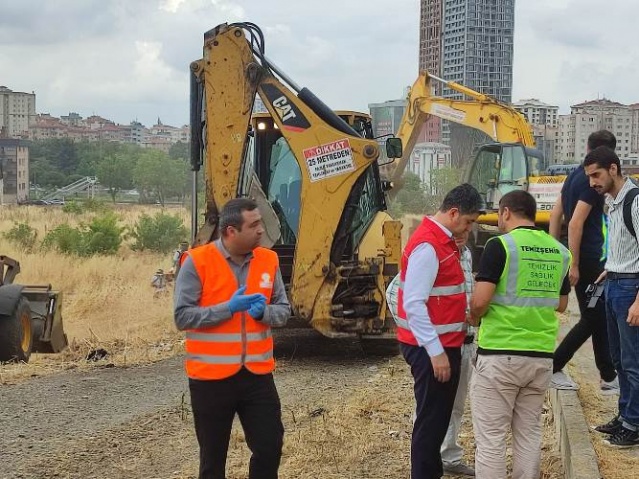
(284, 110)
(293, 120)
(266, 281)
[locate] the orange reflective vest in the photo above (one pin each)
(220, 351)
(447, 301)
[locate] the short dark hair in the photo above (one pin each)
(603, 157)
(521, 203)
(602, 138)
(231, 214)
(465, 198)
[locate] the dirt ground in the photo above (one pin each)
(346, 416)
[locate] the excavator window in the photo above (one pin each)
(499, 169)
(284, 189)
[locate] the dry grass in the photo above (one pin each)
(108, 302)
(613, 463)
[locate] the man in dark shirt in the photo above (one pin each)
(581, 207)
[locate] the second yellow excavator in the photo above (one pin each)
(510, 163)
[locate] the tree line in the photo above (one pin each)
(157, 176)
(416, 198)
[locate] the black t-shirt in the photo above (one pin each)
(493, 261)
(577, 188)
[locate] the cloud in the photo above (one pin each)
(128, 59)
(568, 51)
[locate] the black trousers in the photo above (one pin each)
(434, 406)
(255, 400)
(592, 323)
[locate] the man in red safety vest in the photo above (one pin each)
(431, 322)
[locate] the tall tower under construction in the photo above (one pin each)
(469, 42)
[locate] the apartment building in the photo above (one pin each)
(96, 128)
(588, 117)
(14, 171)
(17, 111)
(537, 112)
(544, 120)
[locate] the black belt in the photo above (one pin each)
(469, 339)
(613, 275)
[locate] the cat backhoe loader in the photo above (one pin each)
(30, 316)
(314, 174)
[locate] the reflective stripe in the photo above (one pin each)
(234, 359)
(439, 328)
(447, 290)
(442, 290)
(525, 302)
(513, 267)
(206, 358)
(255, 358)
(450, 328)
(227, 337)
(401, 323)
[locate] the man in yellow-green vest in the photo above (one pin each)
(521, 282)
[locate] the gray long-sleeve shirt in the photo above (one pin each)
(188, 313)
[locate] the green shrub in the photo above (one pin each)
(65, 239)
(101, 236)
(23, 236)
(96, 206)
(74, 207)
(81, 206)
(161, 233)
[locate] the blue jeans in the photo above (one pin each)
(624, 345)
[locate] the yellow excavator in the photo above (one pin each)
(314, 174)
(510, 163)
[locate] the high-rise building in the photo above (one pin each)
(17, 112)
(469, 42)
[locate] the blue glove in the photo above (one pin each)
(257, 308)
(242, 302)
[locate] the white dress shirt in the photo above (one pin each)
(421, 273)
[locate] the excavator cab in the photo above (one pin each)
(279, 176)
(502, 167)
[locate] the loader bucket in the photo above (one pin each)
(46, 318)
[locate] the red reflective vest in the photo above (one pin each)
(447, 301)
(220, 351)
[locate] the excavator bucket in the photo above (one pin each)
(46, 318)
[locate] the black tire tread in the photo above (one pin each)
(11, 335)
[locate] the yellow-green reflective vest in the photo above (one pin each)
(521, 315)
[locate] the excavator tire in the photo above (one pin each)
(16, 334)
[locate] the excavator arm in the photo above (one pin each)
(501, 122)
(333, 160)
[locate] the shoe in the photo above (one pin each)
(459, 469)
(560, 380)
(612, 427)
(624, 438)
(609, 388)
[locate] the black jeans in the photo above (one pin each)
(435, 402)
(255, 400)
(592, 323)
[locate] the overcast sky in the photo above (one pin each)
(128, 59)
